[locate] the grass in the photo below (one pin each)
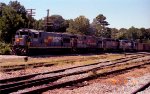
(4, 48)
(81, 60)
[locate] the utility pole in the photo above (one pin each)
(1, 9)
(30, 13)
(47, 20)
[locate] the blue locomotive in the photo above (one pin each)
(28, 40)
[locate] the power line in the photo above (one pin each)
(31, 12)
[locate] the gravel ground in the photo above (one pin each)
(120, 84)
(125, 84)
(10, 57)
(146, 91)
(47, 69)
(39, 70)
(26, 71)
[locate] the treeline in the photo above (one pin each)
(136, 34)
(14, 16)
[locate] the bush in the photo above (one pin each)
(4, 48)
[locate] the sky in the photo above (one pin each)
(119, 13)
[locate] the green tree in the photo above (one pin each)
(55, 23)
(29, 21)
(79, 25)
(145, 34)
(133, 33)
(114, 33)
(20, 9)
(13, 17)
(39, 25)
(100, 28)
(122, 34)
(10, 22)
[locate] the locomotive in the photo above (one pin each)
(28, 40)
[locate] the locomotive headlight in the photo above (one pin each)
(28, 43)
(18, 39)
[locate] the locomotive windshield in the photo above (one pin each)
(21, 32)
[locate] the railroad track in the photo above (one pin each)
(35, 65)
(11, 85)
(23, 66)
(142, 88)
(61, 70)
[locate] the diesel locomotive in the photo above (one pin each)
(30, 40)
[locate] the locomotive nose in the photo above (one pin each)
(20, 40)
(17, 40)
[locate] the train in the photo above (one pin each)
(32, 41)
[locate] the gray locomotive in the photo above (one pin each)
(28, 40)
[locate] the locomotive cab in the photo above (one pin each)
(21, 42)
(22, 37)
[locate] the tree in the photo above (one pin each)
(13, 17)
(133, 33)
(55, 23)
(20, 9)
(145, 34)
(39, 24)
(79, 25)
(29, 21)
(100, 28)
(114, 32)
(1, 7)
(122, 34)
(10, 22)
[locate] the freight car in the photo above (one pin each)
(110, 44)
(29, 40)
(142, 47)
(126, 45)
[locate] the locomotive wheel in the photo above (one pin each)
(12, 52)
(15, 51)
(74, 50)
(20, 50)
(23, 51)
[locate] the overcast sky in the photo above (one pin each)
(119, 13)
